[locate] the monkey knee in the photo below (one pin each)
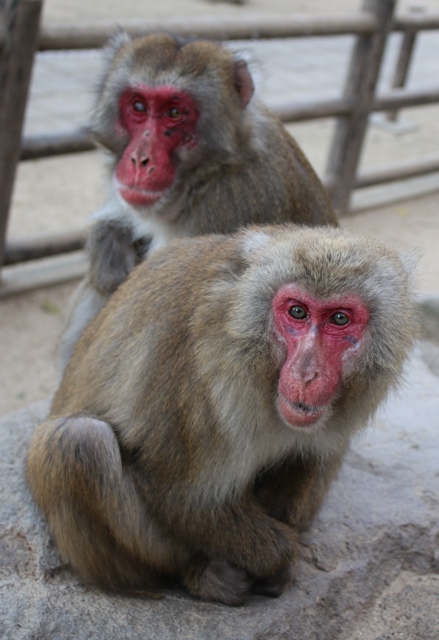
(218, 581)
(70, 455)
(89, 448)
(73, 435)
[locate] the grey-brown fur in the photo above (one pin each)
(246, 168)
(164, 455)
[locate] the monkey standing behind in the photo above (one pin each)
(207, 408)
(193, 153)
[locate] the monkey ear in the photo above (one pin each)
(243, 82)
(254, 238)
(410, 259)
(117, 40)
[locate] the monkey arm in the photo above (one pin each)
(238, 531)
(113, 254)
(293, 490)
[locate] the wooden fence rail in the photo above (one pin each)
(352, 110)
(94, 35)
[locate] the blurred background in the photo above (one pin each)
(60, 193)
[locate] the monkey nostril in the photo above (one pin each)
(310, 376)
(139, 162)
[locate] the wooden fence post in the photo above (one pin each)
(345, 150)
(403, 63)
(19, 39)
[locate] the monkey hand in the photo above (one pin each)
(277, 548)
(252, 540)
(240, 533)
(113, 254)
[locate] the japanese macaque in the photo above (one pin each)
(208, 406)
(193, 152)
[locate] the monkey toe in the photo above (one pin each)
(273, 586)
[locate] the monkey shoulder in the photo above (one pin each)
(306, 197)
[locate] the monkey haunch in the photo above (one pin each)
(207, 408)
(194, 153)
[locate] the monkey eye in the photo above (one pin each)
(297, 312)
(339, 318)
(138, 106)
(175, 113)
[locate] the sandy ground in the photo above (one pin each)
(60, 193)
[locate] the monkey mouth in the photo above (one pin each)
(299, 414)
(306, 409)
(139, 197)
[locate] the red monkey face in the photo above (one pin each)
(322, 338)
(159, 122)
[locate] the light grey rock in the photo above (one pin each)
(369, 567)
(407, 610)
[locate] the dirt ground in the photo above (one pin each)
(30, 324)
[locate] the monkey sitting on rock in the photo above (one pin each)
(192, 152)
(207, 408)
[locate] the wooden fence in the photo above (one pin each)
(20, 38)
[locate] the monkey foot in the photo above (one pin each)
(273, 586)
(218, 581)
